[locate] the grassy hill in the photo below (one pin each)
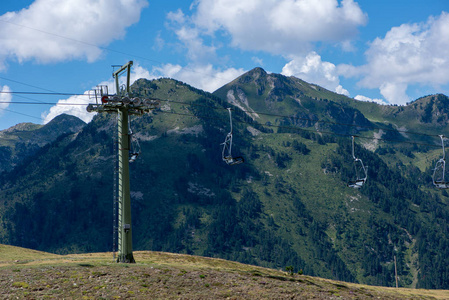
(28, 274)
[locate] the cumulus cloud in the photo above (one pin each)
(190, 37)
(312, 69)
(204, 77)
(258, 61)
(138, 72)
(394, 92)
(5, 98)
(282, 27)
(55, 30)
(76, 105)
(408, 54)
(367, 99)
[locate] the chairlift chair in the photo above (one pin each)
(134, 145)
(360, 171)
(133, 157)
(440, 170)
(227, 147)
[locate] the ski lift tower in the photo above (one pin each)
(123, 104)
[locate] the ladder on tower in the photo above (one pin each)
(115, 195)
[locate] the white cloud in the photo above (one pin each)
(177, 17)
(258, 61)
(394, 92)
(367, 99)
(78, 109)
(59, 30)
(190, 37)
(138, 72)
(284, 27)
(168, 70)
(159, 43)
(407, 55)
(204, 77)
(281, 27)
(5, 98)
(312, 69)
(340, 90)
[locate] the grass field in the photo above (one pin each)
(29, 274)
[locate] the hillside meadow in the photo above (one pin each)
(29, 274)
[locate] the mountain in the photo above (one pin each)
(268, 98)
(287, 206)
(24, 139)
(425, 114)
(305, 104)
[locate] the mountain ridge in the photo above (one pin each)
(23, 140)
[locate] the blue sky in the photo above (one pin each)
(384, 51)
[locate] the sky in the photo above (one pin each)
(389, 52)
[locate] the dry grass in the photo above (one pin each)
(13, 254)
(27, 274)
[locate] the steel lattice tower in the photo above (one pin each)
(123, 104)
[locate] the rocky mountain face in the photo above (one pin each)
(287, 205)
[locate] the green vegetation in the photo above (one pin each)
(287, 206)
(155, 276)
(25, 139)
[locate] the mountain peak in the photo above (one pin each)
(66, 119)
(258, 70)
(59, 125)
(253, 75)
